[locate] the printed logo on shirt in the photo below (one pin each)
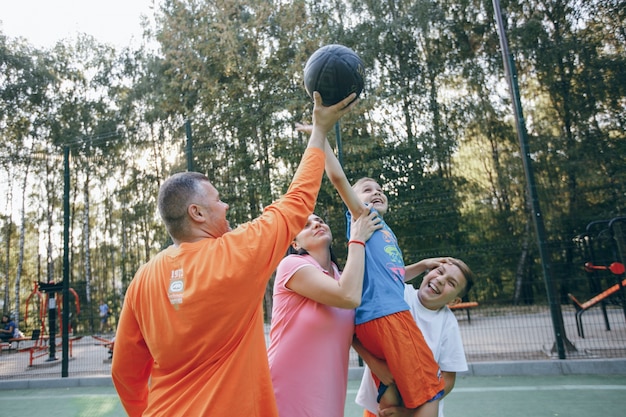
(398, 272)
(387, 235)
(394, 254)
(177, 287)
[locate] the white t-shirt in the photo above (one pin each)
(441, 331)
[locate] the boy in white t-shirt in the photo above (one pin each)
(446, 282)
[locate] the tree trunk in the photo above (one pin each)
(20, 262)
(7, 248)
(87, 261)
(51, 200)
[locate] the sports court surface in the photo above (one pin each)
(473, 396)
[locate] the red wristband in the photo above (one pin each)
(358, 242)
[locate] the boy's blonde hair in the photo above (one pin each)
(360, 181)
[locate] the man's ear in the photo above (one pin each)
(195, 213)
(456, 301)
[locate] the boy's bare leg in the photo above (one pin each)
(391, 397)
(430, 409)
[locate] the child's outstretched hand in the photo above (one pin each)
(304, 128)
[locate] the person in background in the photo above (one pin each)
(103, 311)
(446, 282)
(313, 319)
(8, 329)
(190, 339)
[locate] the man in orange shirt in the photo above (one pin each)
(190, 340)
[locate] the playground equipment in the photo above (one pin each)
(44, 295)
(603, 245)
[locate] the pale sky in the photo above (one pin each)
(44, 22)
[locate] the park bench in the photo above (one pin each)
(467, 306)
(8, 345)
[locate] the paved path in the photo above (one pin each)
(528, 396)
(494, 396)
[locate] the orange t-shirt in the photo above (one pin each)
(190, 340)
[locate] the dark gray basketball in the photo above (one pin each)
(335, 71)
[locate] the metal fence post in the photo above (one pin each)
(555, 307)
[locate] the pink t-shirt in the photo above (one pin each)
(309, 348)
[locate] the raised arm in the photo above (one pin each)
(340, 181)
(324, 118)
(338, 178)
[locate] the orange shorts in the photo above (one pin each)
(397, 340)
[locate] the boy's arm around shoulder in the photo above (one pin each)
(415, 269)
(449, 378)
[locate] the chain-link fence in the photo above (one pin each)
(586, 321)
(489, 334)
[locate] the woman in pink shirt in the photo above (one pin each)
(313, 319)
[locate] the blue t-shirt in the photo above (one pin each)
(7, 326)
(383, 281)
